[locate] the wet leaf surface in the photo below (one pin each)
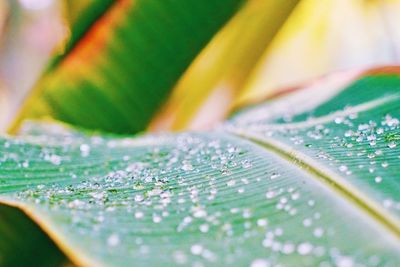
(269, 188)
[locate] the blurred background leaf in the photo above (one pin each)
(322, 37)
(23, 243)
(318, 38)
(122, 69)
(123, 58)
(80, 17)
(204, 94)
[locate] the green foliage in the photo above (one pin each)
(354, 135)
(81, 15)
(295, 185)
(23, 243)
(122, 60)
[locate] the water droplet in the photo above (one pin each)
(262, 222)
(156, 218)
(339, 120)
(288, 248)
(85, 150)
(392, 145)
(259, 263)
(387, 203)
(199, 212)
(187, 166)
(196, 249)
(139, 198)
(54, 159)
(274, 176)
(139, 214)
(231, 183)
(304, 248)
(180, 257)
(318, 232)
(344, 261)
(113, 240)
(343, 168)
(270, 194)
(246, 164)
(98, 195)
(307, 222)
(204, 228)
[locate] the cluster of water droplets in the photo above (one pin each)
(360, 146)
(190, 199)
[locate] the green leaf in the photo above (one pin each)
(353, 136)
(23, 243)
(268, 188)
(81, 15)
(223, 67)
(117, 70)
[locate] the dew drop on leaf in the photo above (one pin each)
(113, 240)
(392, 145)
(260, 263)
(304, 248)
(196, 249)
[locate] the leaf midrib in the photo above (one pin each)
(328, 178)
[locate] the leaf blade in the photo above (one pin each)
(104, 195)
(117, 59)
(341, 135)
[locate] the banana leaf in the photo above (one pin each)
(308, 179)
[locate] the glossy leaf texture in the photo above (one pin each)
(350, 133)
(271, 187)
(119, 68)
